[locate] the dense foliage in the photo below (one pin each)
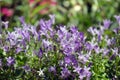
(48, 52)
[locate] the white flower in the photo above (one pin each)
(40, 72)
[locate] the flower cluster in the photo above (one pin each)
(56, 52)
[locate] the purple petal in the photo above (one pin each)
(117, 18)
(106, 23)
(10, 61)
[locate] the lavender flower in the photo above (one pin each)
(10, 61)
(65, 73)
(39, 53)
(73, 29)
(22, 20)
(117, 18)
(0, 62)
(26, 68)
(52, 69)
(83, 58)
(47, 44)
(116, 30)
(88, 46)
(91, 30)
(6, 48)
(67, 60)
(19, 49)
(106, 23)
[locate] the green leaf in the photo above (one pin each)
(18, 73)
(37, 9)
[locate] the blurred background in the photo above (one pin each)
(81, 13)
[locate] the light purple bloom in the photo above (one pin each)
(25, 35)
(52, 69)
(60, 34)
(116, 30)
(91, 30)
(22, 20)
(73, 29)
(6, 48)
(83, 58)
(65, 73)
(26, 68)
(40, 53)
(117, 18)
(97, 49)
(47, 44)
(46, 27)
(88, 46)
(67, 50)
(113, 56)
(84, 73)
(18, 50)
(67, 60)
(106, 23)
(52, 18)
(81, 35)
(99, 38)
(10, 61)
(0, 62)
(71, 60)
(105, 51)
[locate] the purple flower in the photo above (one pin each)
(88, 46)
(99, 38)
(52, 18)
(113, 56)
(65, 73)
(73, 29)
(26, 68)
(81, 35)
(91, 30)
(71, 60)
(97, 49)
(10, 61)
(60, 34)
(105, 51)
(117, 18)
(116, 30)
(13, 38)
(23, 43)
(83, 58)
(63, 29)
(25, 35)
(0, 62)
(47, 44)
(22, 20)
(106, 23)
(19, 49)
(40, 53)
(46, 26)
(33, 30)
(67, 60)
(67, 50)
(6, 48)
(83, 72)
(52, 69)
